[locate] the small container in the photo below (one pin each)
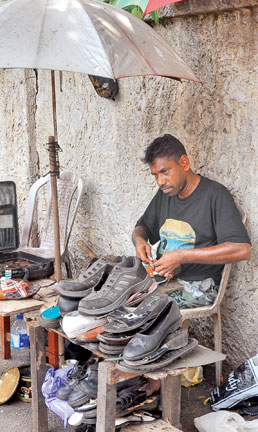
(8, 274)
(69, 362)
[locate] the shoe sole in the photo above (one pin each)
(164, 361)
(120, 301)
(108, 327)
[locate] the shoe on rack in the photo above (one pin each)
(67, 305)
(86, 388)
(121, 283)
(146, 343)
(73, 323)
(127, 319)
(75, 375)
(95, 275)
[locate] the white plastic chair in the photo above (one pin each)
(67, 186)
(214, 310)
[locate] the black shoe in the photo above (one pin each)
(86, 388)
(75, 375)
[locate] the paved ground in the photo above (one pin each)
(16, 415)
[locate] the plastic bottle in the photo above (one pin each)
(19, 336)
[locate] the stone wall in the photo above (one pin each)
(103, 141)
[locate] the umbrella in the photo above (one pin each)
(84, 36)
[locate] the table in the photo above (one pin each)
(108, 377)
(9, 308)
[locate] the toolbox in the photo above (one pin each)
(22, 265)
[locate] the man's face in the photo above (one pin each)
(171, 176)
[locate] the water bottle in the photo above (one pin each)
(19, 336)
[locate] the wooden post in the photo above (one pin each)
(53, 176)
(53, 349)
(38, 371)
(171, 399)
(106, 409)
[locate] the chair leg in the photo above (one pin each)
(68, 266)
(217, 344)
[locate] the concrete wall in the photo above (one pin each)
(103, 141)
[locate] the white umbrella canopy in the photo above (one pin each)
(85, 36)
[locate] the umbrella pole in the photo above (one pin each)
(54, 173)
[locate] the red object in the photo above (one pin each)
(153, 5)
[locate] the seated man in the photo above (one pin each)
(196, 222)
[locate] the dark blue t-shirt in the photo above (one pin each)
(205, 218)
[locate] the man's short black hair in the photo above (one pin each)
(166, 145)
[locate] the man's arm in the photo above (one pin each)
(223, 253)
(140, 241)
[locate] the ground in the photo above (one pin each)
(16, 414)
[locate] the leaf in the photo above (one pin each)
(125, 3)
(155, 16)
(136, 11)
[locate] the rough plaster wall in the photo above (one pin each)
(103, 141)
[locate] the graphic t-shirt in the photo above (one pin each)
(205, 218)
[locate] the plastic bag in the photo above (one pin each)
(193, 376)
(224, 421)
(54, 380)
(241, 384)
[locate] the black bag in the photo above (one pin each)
(105, 87)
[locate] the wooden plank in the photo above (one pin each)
(106, 409)
(53, 351)
(5, 332)
(171, 399)
(13, 307)
(38, 371)
(156, 426)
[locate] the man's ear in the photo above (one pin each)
(184, 162)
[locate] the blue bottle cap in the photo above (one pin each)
(19, 317)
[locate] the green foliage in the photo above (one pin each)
(135, 7)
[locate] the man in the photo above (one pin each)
(196, 222)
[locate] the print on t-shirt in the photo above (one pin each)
(175, 234)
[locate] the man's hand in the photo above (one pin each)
(143, 251)
(168, 263)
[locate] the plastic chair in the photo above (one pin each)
(67, 185)
(214, 310)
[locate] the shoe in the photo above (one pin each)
(121, 283)
(174, 341)
(133, 318)
(89, 336)
(94, 275)
(86, 388)
(77, 373)
(146, 343)
(167, 358)
(73, 323)
(110, 349)
(67, 305)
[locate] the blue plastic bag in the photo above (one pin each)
(53, 380)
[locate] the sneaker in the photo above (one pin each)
(75, 375)
(120, 285)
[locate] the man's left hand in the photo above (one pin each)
(167, 264)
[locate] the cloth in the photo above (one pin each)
(224, 421)
(208, 216)
(195, 293)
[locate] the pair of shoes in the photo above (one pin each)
(75, 375)
(74, 323)
(86, 388)
(126, 278)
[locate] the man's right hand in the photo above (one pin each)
(143, 251)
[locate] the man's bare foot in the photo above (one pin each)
(151, 386)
